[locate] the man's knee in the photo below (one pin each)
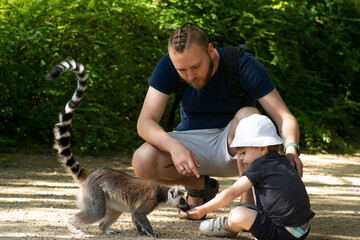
(241, 114)
(143, 162)
(245, 112)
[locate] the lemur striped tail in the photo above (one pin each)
(62, 133)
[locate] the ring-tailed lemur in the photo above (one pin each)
(105, 193)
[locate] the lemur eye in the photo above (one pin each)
(182, 200)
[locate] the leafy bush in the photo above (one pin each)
(114, 43)
(309, 48)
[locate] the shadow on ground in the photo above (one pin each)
(37, 196)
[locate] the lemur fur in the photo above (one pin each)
(106, 193)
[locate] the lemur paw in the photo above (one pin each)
(75, 230)
(112, 231)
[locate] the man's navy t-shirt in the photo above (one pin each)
(212, 106)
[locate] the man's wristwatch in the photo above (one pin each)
(295, 145)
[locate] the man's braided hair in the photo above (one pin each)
(184, 36)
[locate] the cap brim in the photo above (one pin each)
(257, 142)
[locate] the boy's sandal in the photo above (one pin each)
(209, 192)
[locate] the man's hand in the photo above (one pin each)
(185, 161)
(295, 161)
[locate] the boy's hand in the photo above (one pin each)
(195, 213)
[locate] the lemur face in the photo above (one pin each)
(176, 199)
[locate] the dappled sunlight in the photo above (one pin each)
(166, 215)
(332, 180)
(42, 215)
(44, 220)
(330, 236)
(37, 202)
(35, 187)
(337, 191)
(43, 232)
(38, 197)
(42, 189)
(32, 182)
(327, 213)
(333, 185)
(20, 197)
(329, 165)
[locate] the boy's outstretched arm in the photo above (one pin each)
(225, 197)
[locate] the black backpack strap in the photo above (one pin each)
(248, 48)
(233, 84)
(179, 93)
(231, 75)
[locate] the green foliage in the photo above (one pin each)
(7, 144)
(113, 43)
(310, 49)
(5, 159)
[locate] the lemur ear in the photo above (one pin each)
(173, 192)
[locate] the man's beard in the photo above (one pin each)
(207, 79)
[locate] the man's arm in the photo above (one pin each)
(286, 124)
(149, 129)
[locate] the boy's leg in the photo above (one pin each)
(241, 218)
(245, 218)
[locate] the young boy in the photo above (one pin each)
(283, 207)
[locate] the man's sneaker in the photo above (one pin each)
(216, 228)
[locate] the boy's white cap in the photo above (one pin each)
(256, 131)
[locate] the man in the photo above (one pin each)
(209, 115)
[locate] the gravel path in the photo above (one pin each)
(37, 196)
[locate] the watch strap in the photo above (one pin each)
(297, 147)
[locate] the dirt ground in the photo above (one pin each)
(37, 196)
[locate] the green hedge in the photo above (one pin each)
(310, 49)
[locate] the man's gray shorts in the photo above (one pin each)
(210, 149)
